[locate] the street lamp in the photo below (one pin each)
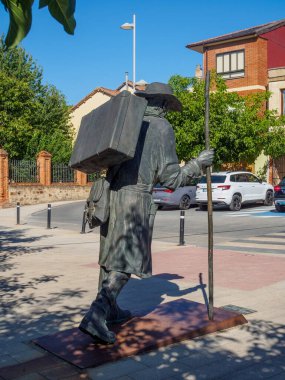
(132, 26)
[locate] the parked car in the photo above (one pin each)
(183, 197)
(279, 196)
(233, 189)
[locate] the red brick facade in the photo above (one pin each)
(276, 47)
(255, 62)
(264, 66)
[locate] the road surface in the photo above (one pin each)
(254, 227)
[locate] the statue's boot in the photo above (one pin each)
(94, 322)
(116, 315)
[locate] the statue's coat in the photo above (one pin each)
(125, 244)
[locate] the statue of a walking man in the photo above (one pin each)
(125, 245)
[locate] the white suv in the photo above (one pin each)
(234, 189)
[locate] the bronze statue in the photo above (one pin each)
(125, 243)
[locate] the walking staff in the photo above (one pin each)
(210, 205)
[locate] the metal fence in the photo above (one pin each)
(23, 171)
(61, 173)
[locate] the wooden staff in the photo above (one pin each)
(210, 205)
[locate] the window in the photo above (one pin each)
(283, 102)
(231, 65)
(214, 179)
(253, 178)
(242, 178)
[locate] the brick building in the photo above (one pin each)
(251, 60)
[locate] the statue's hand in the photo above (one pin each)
(206, 158)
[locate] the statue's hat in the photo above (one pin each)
(161, 91)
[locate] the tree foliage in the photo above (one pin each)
(33, 116)
(20, 13)
(275, 142)
(240, 126)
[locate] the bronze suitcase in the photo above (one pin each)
(108, 135)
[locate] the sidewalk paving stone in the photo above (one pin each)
(31, 376)
(162, 371)
(116, 369)
(49, 277)
(27, 355)
(7, 360)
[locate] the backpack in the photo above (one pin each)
(98, 203)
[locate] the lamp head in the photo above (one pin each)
(127, 26)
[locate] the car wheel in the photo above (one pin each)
(235, 203)
(268, 198)
(278, 207)
(159, 207)
(185, 202)
(202, 207)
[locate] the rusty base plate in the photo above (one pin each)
(169, 323)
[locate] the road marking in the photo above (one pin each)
(260, 213)
(250, 244)
(271, 243)
(254, 211)
(252, 250)
(276, 234)
(238, 215)
(271, 239)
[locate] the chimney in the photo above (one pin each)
(127, 80)
(198, 72)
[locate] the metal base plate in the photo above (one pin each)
(169, 323)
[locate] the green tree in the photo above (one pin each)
(240, 126)
(275, 142)
(33, 116)
(20, 13)
(16, 109)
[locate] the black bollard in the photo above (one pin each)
(49, 216)
(83, 222)
(18, 212)
(182, 219)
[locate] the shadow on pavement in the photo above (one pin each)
(252, 351)
(142, 296)
(210, 358)
(25, 308)
(12, 243)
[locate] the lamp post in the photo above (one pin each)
(132, 26)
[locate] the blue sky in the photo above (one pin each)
(100, 52)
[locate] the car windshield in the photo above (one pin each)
(214, 179)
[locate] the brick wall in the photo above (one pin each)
(28, 194)
(255, 61)
(44, 190)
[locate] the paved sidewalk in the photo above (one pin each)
(49, 277)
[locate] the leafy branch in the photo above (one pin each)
(20, 13)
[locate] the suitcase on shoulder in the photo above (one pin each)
(108, 135)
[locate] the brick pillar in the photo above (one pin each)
(4, 177)
(44, 167)
(80, 178)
